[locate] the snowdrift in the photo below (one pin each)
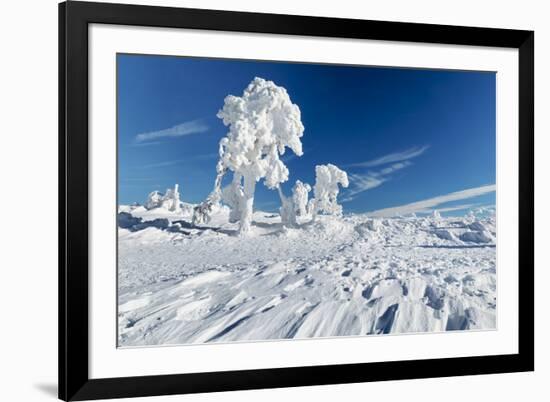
(181, 283)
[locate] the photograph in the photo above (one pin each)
(269, 200)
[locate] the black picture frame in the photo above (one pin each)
(74, 381)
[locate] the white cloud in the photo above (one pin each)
(164, 164)
(187, 128)
(424, 205)
(460, 207)
(393, 157)
(394, 167)
(178, 161)
(360, 182)
(364, 182)
(144, 144)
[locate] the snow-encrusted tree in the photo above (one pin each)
(154, 200)
(262, 123)
(470, 217)
(233, 195)
(300, 197)
(287, 210)
(294, 206)
(310, 206)
(170, 200)
(327, 179)
(202, 213)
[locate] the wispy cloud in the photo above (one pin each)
(179, 161)
(164, 164)
(361, 182)
(460, 207)
(424, 205)
(187, 128)
(392, 158)
(145, 144)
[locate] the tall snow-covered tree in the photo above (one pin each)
(327, 179)
(262, 123)
(172, 199)
(294, 206)
(287, 210)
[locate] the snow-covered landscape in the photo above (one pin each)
(355, 275)
(224, 270)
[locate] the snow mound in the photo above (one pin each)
(477, 226)
(445, 234)
(477, 237)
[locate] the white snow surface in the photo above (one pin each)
(338, 276)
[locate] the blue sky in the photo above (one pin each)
(402, 135)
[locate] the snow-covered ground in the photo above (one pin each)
(348, 276)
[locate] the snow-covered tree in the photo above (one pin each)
(170, 200)
(300, 197)
(310, 206)
(327, 179)
(287, 210)
(470, 217)
(202, 213)
(233, 195)
(294, 206)
(154, 200)
(262, 123)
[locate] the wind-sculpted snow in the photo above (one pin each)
(345, 276)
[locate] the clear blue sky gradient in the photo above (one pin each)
(351, 115)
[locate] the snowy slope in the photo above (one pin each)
(338, 276)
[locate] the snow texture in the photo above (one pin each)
(221, 272)
(354, 275)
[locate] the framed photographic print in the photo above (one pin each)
(257, 201)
